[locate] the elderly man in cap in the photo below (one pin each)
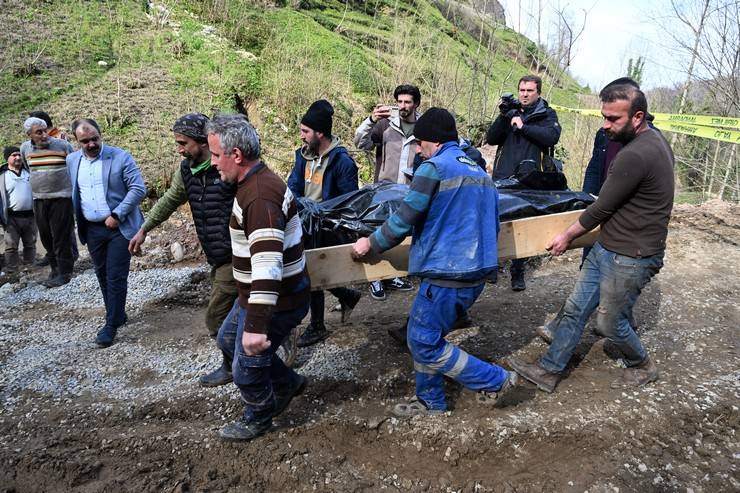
(210, 199)
(45, 157)
(16, 211)
(323, 170)
(453, 258)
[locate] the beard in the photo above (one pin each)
(313, 145)
(624, 136)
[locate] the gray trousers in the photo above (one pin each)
(19, 228)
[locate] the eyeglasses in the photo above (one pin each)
(91, 139)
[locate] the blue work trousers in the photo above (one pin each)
(433, 314)
(258, 377)
(611, 282)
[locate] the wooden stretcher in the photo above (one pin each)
(333, 266)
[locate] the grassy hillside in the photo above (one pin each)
(135, 69)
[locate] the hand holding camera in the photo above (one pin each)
(384, 111)
(509, 105)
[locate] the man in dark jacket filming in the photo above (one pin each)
(526, 129)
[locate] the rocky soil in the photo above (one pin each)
(132, 417)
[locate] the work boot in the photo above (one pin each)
(545, 333)
(349, 304)
(463, 322)
(218, 377)
(283, 398)
(288, 350)
(637, 376)
(535, 373)
(59, 280)
(517, 281)
(105, 336)
(399, 334)
(242, 431)
(313, 334)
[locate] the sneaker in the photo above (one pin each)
(216, 378)
(400, 284)
(242, 431)
(488, 398)
(414, 407)
(376, 290)
(282, 399)
(312, 335)
(105, 336)
(349, 304)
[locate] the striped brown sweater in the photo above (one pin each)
(49, 177)
(267, 243)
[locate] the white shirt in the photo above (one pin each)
(92, 193)
(18, 188)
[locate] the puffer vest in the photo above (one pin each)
(458, 239)
(210, 201)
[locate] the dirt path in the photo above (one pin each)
(131, 418)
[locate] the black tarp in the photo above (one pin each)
(348, 217)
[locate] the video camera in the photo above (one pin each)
(510, 106)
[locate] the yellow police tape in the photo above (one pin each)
(720, 134)
(698, 125)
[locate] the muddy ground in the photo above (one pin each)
(132, 418)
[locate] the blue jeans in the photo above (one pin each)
(433, 314)
(259, 377)
(612, 282)
(109, 252)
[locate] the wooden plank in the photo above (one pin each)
(333, 266)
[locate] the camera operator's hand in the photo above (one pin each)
(380, 111)
(517, 122)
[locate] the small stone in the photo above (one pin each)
(178, 251)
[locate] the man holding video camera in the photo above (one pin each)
(525, 130)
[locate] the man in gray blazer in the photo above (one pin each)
(107, 189)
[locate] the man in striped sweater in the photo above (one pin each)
(52, 197)
(270, 272)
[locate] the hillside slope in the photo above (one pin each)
(135, 66)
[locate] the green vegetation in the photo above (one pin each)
(194, 55)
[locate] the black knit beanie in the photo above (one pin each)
(436, 125)
(318, 117)
(8, 151)
(192, 125)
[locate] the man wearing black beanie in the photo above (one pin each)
(453, 258)
(323, 170)
(16, 211)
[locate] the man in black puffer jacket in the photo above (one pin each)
(524, 131)
(211, 201)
